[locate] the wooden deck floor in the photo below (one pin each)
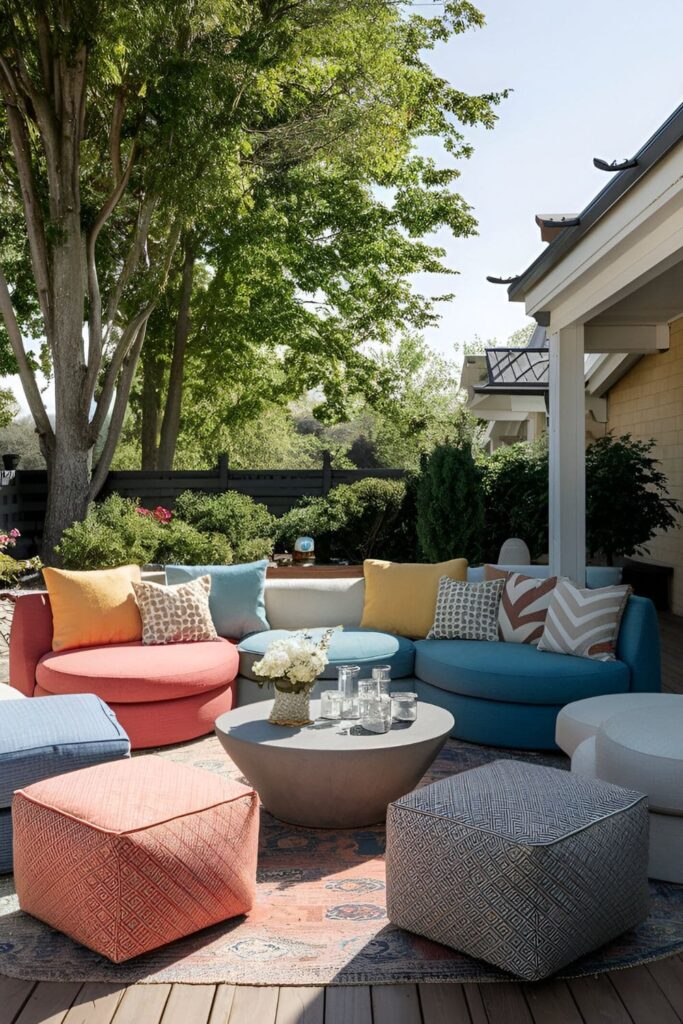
(643, 995)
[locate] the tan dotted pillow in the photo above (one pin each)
(174, 615)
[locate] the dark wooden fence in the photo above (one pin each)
(23, 494)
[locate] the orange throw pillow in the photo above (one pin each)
(93, 608)
(400, 597)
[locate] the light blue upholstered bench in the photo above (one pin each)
(50, 736)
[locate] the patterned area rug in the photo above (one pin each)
(320, 915)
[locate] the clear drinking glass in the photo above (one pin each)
(347, 682)
(404, 707)
(382, 676)
(376, 713)
(330, 704)
(368, 689)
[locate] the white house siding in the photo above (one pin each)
(648, 402)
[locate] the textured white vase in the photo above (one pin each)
(514, 552)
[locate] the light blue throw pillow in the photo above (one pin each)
(236, 600)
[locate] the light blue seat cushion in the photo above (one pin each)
(517, 673)
(596, 575)
(236, 600)
(47, 736)
(349, 647)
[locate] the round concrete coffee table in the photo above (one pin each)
(317, 777)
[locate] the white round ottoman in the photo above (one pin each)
(577, 721)
(639, 747)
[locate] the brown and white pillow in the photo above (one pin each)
(173, 615)
(524, 607)
(584, 622)
(466, 611)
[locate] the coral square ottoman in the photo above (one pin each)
(126, 857)
(525, 867)
(40, 738)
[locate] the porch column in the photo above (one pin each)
(567, 475)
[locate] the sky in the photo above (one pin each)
(590, 78)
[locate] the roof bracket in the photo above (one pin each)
(622, 165)
(542, 318)
(563, 222)
(501, 280)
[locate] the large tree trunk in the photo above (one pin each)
(68, 480)
(171, 422)
(152, 380)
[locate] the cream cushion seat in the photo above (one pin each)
(643, 750)
(639, 745)
(581, 719)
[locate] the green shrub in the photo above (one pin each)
(627, 500)
(246, 524)
(626, 497)
(515, 483)
(115, 533)
(450, 504)
(183, 544)
(111, 534)
(355, 521)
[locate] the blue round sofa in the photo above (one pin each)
(500, 694)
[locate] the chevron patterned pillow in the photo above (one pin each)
(466, 611)
(523, 608)
(584, 622)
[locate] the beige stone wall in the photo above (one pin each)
(648, 402)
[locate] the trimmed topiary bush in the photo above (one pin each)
(183, 544)
(515, 486)
(246, 524)
(450, 504)
(355, 521)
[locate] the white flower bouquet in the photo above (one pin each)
(293, 663)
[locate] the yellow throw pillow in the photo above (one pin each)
(400, 597)
(93, 608)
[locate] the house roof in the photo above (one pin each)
(666, 138)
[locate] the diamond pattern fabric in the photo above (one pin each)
(525, 867)
(129, 856)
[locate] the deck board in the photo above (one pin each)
(345, 1003)
(643, 998)
(444, 1004)
(96, 1003)
(552, 1001)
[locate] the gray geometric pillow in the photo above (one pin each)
(466, 611)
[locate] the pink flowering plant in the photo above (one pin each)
(161, 514)
(8, 540)
(12, 569)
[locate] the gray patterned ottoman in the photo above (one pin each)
(522, 866)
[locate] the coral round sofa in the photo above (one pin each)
(159, 694)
